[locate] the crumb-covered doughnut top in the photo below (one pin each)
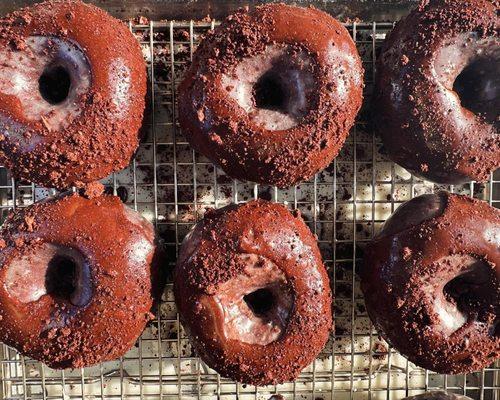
(83, 272)
(272, 93)
(432, 282)
(437, 96)
(71, 96)
(252, 292)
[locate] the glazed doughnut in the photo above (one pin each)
(438, 395)
(252, 292)
(437, 95)
(72, 93)
(83, 272)
(431, 280)
(272, 93)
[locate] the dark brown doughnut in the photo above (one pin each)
(72, 89)
(83, 272)
(437, 95)
(253, 294)
(272, 93)
(438, 395)
(431, 280)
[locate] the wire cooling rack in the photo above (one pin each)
(172, 186)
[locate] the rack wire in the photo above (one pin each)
(171, 185)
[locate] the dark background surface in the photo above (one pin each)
(345, 10)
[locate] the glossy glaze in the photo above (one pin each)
(311, 64)
(93, 314)
(94, 130)
(232, 253)
(432, 287)
(432, 122)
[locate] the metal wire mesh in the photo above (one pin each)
(172, 186)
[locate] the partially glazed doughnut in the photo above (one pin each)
(431, 280)
(83, 272)
(438, 395)
(72, 93)
(253, 294)
(437, 95)
(272, 93)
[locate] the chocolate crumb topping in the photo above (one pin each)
(432, 287)
(76, 115)
(93, 189)
(253, 294)
(83, 272)
(437, 96)
(272, 93)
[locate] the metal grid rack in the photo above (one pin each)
(172, 186)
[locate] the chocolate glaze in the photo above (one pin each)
(72, 93)
(256, 305)
(272, 93)
(432, 287)
(437, 91)
(83, 272)
(254, 336)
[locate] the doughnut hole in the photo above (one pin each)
(271, 92)
(61, 276)
(48, 78)
(54, 84)
(466, 67)
(261, 302)
(467, 296)
(276, 88)
(474, 292)
(478, 86)
(256, 305)
(61, 272)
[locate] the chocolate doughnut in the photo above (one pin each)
(431, 280)
(437, 95)
(438, 395)
(272, 93)
(252, 292)
(72, 93)
(83, 272)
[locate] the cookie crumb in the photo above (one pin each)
(92, 190)
(407, 252)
